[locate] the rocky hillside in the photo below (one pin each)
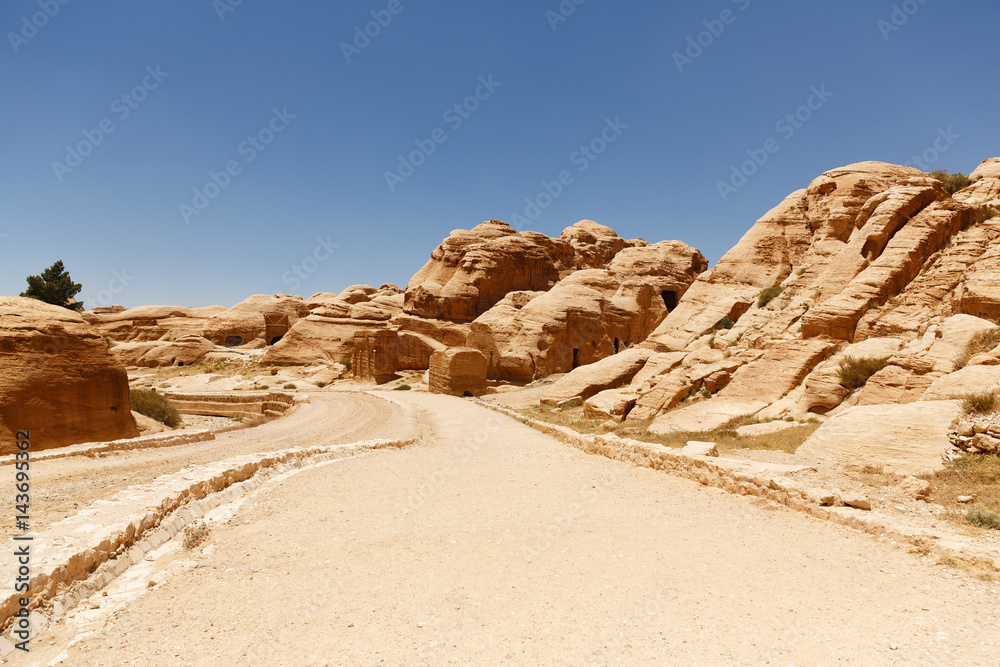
(871, 261)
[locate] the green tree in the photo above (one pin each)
(54, 286)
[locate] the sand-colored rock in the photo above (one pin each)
(458, 372)
(704, 415)
(58, 379)
(375, 355)
(318, 338)
(185, 351)
(245, 322)
(906, 439)
(589, 315)
(778, 371)
(968, 380)
(474, 269)
(610, 403)
(586, 381)
(151, 323)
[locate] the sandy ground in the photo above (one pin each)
(63, 486)
(491, 543)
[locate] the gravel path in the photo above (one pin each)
(491, 543)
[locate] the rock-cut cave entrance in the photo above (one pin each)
(669, 299)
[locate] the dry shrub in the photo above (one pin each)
(155, 406)
(854, 371)
(982, 402)
(195, 534)
(984, 341)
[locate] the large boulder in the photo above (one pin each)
(458, 372)
(58, 379)
(906, 439)
(586, 381)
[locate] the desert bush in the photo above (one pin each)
(195, 534)
(767, 295)
(289, 386)
(984, 518)
(320, 384)
(724, 323)
(403, 387)
(952, 182)
(854, 371)
(984, 341)
(984, 214)
(155, 406)
(980, 402)
(348, 362)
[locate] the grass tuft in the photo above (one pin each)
(984, 341)
(767, 295)
(982, 402)
(984, 518)
(155, 406)
(855, 372)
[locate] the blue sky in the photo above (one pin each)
(300, 131)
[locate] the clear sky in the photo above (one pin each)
(115, 116)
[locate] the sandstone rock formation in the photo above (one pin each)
(587, 316)
(327, 332)
(905, 439)
(151, 323)
(458, 371)
(58, 379)
(376, 355)
(870, 261)
(474, 269)
(254, 318)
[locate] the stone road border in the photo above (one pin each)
(766, 481)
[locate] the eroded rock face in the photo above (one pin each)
(587, 316)
(870, 261)
(58, 379)
(906, 439)
(150, 323)
(473, 270)
(326, 333)
(260, 317)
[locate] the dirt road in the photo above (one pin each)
(65, 485)
(491, 543)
